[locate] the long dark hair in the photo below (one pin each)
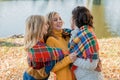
(82, 16)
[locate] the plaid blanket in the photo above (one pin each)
(66, 32)
(42, 55)
(85, 43)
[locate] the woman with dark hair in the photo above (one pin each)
(83, 40)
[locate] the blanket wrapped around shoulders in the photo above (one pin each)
(42, 58)
(41, 55)
(84, 42)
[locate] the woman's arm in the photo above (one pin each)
(86, 64)
(64, 62)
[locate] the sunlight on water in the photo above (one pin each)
(14, 13)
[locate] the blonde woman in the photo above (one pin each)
(41, 58)
(57, 39)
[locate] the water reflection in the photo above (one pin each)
(112, 13)
(14, 13)
(101, 27)
(97, 2)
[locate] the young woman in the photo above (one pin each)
(57, 39)
(41, 58)
(84, 41)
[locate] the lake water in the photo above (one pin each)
(14, 13)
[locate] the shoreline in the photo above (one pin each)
(22, 36)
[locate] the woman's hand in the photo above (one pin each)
(73, 56)
(99, 66)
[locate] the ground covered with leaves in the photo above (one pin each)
(13, 58)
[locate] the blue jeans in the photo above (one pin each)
(26, 76)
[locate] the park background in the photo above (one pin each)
(13, 14)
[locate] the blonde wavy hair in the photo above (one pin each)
(50, 17)
(33, 31)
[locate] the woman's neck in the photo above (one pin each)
(57, 31)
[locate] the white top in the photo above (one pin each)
(85, 69)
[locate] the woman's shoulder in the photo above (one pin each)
(51, 38)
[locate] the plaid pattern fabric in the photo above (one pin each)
(42, 55)
(66, 32)
(85, 43)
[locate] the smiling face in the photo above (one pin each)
(56, 22)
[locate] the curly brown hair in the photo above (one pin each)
(82, 16)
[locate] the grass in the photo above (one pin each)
(13, 58)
